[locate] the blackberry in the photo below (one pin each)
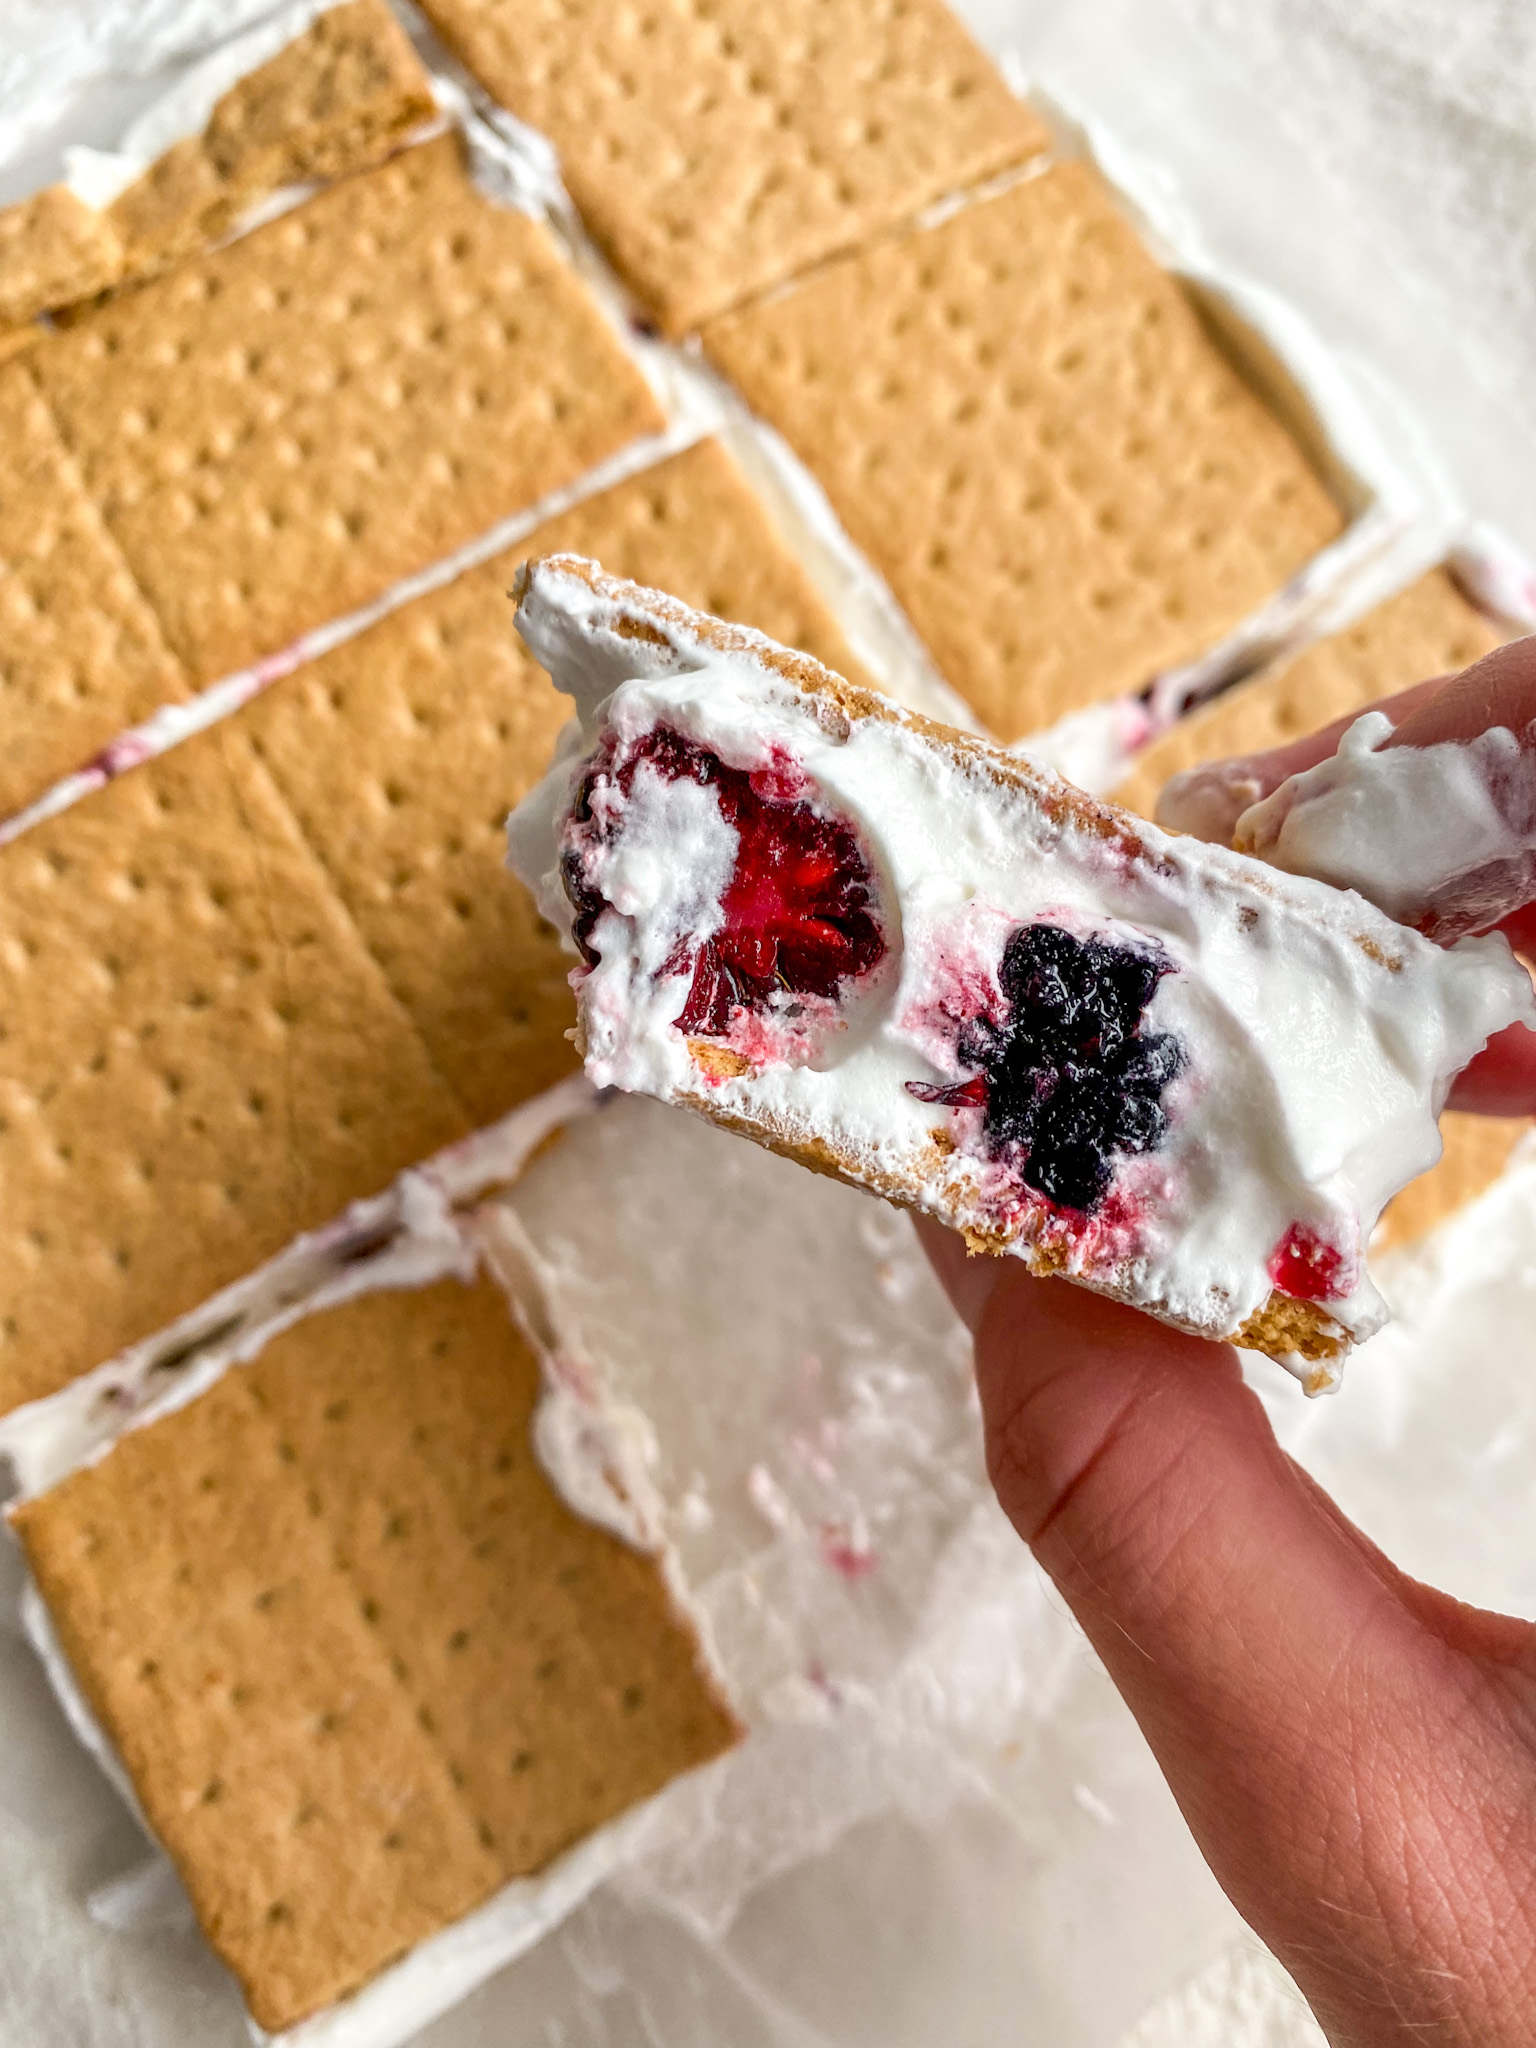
(1068, 1080)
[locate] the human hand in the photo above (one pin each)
(1498, 691)
(1355, 1753)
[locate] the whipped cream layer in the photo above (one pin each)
(1258, 1059)
(1440, 837)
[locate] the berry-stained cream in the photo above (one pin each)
(914, 959)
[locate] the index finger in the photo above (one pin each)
(1208, 799)
(1498, 690)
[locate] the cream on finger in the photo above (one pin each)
(1440, 837)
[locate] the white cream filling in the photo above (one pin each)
(1316, 1065)
(664, 874)
(1443, 837)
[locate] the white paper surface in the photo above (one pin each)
(1380, 171)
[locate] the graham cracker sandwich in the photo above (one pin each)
(714, 152)
(200, 1057)
(366, 1673)
(1428, 629)
(911, 958)
(1025, 424)
(249, 980)
(308, 1596)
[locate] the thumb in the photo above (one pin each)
(1300, 1694)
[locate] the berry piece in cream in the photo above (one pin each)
(1069, 1080)
(1308, 1268)
(797, 912)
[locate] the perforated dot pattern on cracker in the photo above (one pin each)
(276, 432)
(198, 1058)
(81, 652)
(402, 752)
(715, 147)
(1429, 629)
(1022, 422)
(361, 1663)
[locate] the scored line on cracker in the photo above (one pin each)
(341, 397)
(713, 151)
(81, 650)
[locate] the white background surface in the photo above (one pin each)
(1376, 160)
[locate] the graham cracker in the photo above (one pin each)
(716, 149)
(361, 1662)
(402, 751)
(173, 209)
(1022, 421)
(198, 1058)
(277, 431)
(53, 248)
(334, 101)
(81, 653)
(339, 97)
(1477, 1150)
(1429, 629)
